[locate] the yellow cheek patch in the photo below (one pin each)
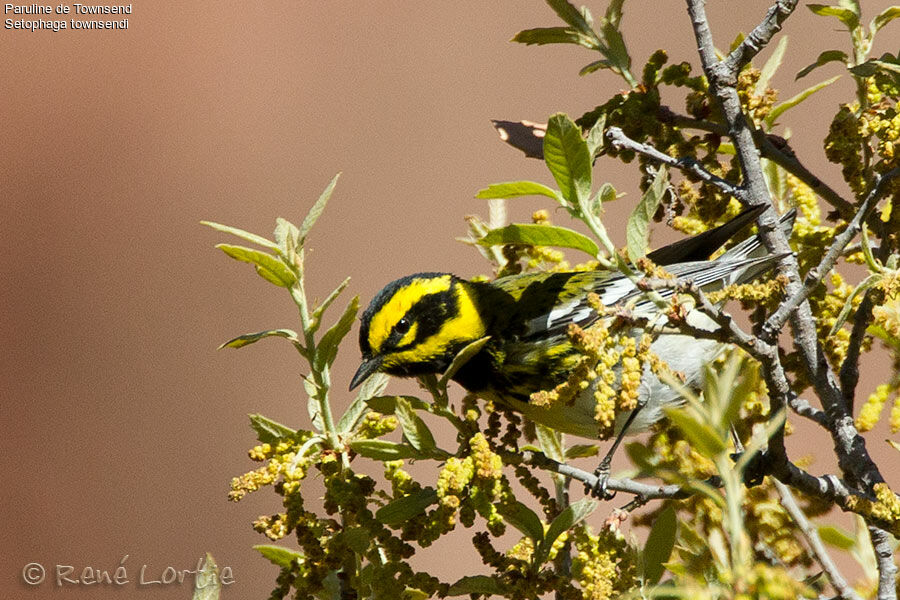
(384, 320)
(466, 326)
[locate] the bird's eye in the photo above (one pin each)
(402, 325)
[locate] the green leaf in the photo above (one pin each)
(279, 556)
(571, 15)
(884, 17)
(702, 437)
(824, 58)
(269, 431)
(595, 66)
(641, 456)
(797, 99)
(267, 266)
(614, 12)
(524, 519)
(477, 584)
(414, 428)
(870, 67)
(637, 231)
(659, 546)
(371, 386)
(207, 585)
(553, 35)
(251, 338)
(771, 65)
(551, 442)
(894, 445)
(316, 211)
(404, 508)
(872, 280)
(246, 235)
(564, 521)
(286, 236)
(844, 15)
(836, 537)
(568, 158)
(582, 451)
(595, 139)
(461, 358)
(387, 405)
(516, 189)
(540, 235)
(616, 51)
(384, 450)
(316, 320)
(326, 351)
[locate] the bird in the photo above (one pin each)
(417, 324)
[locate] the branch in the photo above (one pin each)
(757, 39)
(643, 491)
(815, 543)
(887, 570)
(835, 251)
(621, 141)
(853, 458)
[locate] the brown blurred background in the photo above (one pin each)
(122, 424)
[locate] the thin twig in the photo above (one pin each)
(815, 543)
(688, 164)
(757, 39)
(815, 276)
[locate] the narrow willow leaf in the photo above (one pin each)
(771, 65)
(701, 436)
(384, 450)
(267, 266)
(515, 189)
(659, 546)
(245, 235)
(207, 585)
(614, 12)
(797, 99)
(320, 310)
(571, 15)
(326, 351)
(870, 67)
(894, 445)
(616, 50)
(269, 431)
(594, 66)
(316, 211)
(251, 338)
(824, 58)
(313, 408)
(637, 231)
(414, 428)
(551, 442)
(595, 138)
(372, 386)
(836, 537)
(582, 451)
(568, 158)
(524, 519)
(477, 584)
(884, 17)
(641, 456)
(287, 236)
(279, 556)
(404, 508)
(552, 35)
(540, 235)
(461, 358)
(564, 521)
(387, 405)
(844, 15)
(863, 287)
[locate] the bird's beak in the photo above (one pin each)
(367, 368)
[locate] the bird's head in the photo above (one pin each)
(416, 325)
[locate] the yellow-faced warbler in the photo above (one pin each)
(417, 325)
